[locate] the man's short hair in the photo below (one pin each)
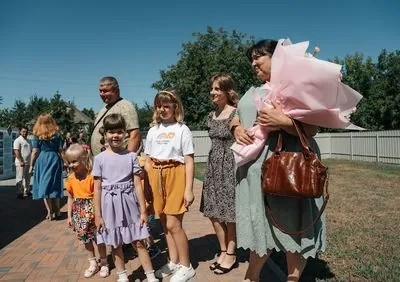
(112, 81)
(23, 127)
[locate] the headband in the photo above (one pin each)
(169, 93)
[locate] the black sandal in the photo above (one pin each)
(215, 264)
(224, 270)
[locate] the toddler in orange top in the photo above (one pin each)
(80, 187)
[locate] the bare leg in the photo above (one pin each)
(172, 249)
(296, 264)
(174, 226)
(104, 268)
(143, 256)
(255, 265)
(119, 259)
(230, 256)
(220, 231)
(90, 250)
(102, 253)
(49, 207)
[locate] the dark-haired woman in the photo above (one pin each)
(255, 230)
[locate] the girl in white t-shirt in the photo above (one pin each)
(169, 166)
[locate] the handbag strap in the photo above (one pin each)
(302, 231)
(305, 144)
(101, 118)
(103, 115)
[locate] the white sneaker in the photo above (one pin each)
(104, 271)
(183, 274)
(122, 276)
(166, 270)
(93, 268)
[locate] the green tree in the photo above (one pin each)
(145, 114)
(359, 74)
(386, 91)
(89, 112)
(379, 83)
(1, 100)
(24, 114)
(63, 113)
(210, 53)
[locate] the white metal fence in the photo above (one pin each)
(371, 146)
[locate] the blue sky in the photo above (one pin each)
(50, 45)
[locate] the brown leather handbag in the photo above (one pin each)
(295, 174)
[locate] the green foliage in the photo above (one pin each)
(145, 116)
(89, 112)
(379, 83)
(212, 52)
(1, 100)
(26, 114)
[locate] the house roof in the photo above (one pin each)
(80, 117)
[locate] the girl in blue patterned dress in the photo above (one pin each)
(120, 208)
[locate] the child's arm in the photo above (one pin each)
(189, 175)
(70, 200)
(140, 197)
(97, 205)
(147, 163)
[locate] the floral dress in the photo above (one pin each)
(218, 197)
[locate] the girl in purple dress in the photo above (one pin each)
(120, 209)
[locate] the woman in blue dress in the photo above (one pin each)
(48, 165)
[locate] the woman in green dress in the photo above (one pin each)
(254, 227)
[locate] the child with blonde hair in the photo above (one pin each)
(80, 187)
(169, 165)
(120, 208)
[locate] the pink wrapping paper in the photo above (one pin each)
(308, 89)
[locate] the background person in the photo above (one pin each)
(46, 157)
(22, 150)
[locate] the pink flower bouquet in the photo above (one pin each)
(310, 90)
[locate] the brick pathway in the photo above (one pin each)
(33, 249)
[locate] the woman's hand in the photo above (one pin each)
(143, 218)
(273, 118)
(188, 198)
(242, 136)
(100, 225)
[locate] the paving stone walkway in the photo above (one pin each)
(33, 249)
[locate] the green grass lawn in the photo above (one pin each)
(199, 170)
(363, 230)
